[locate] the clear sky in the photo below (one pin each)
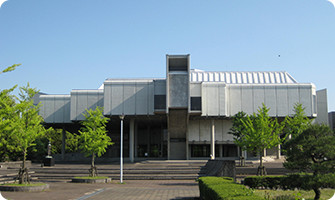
(77, 44)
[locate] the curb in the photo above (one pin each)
(24, 188)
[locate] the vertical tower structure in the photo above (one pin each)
(177, 98)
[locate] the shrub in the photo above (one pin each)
(290, 182)
(223, 188)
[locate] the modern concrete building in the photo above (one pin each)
(186, 115)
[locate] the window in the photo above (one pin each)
(160, 102)
(202, 150)
(196, 103)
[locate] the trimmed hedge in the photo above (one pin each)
(222, 188)
(291, 182)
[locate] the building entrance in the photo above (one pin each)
(151, 141)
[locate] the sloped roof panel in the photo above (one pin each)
(242, 77)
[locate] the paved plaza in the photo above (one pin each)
(131, 189)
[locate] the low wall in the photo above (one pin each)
(13, 164)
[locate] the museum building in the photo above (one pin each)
(186, 115)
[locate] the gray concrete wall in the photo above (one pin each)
(129, 97)
(178, 90)
(55, 108)
(200, 131)
(280, 98)
(85, 99)
(321, 107)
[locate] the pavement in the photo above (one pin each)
(130, 189)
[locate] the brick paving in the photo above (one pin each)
(132, 189)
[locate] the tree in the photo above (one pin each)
(296, 124)
(93, 136)
(25, 127)
(312, 151)
(238, 128)
(238, 125)
(7, 102)
(259, 132)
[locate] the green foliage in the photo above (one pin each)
(223, 188)
(260, 132)
(21, 124)
(40, 150)
(10, 68)
(7, 103)
(256, 132)
(93, 136)
(296, 124)
(238, 126)
(312, 150)
(26, 124)
(300, 181)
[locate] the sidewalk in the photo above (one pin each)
(131, 189)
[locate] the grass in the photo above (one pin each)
(90, 177)
(299, 194)
(16, 184)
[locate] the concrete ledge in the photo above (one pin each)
(14, 164)
(38, 188)
(83, 180)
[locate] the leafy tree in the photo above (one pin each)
(313, 151)
(7, 102)
(238, 125)
(259, 132)
(296, 124)
(25, 127)
(93, 136)
(238, 128)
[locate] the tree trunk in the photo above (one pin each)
(23, 169)
(93, 169)
(261, 169)
(317, 193)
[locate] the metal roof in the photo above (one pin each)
(242, 77)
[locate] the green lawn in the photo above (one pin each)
(273, 194)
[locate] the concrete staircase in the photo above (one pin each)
(9, 176)
(146, 170)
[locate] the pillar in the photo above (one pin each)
(135, 140)
(278, 151)
(213, 141)
(221, 151)
(131, 139)
(63, 143)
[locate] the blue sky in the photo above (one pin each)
(77, 44)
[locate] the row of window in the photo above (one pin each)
(160, 103)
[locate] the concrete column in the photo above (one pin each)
(278, 151)
(131, 140)
(238, 151)
(221, 151)
(245, 154)
(135, 138)
(213, 141)
(148, 140)
(63, 143)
